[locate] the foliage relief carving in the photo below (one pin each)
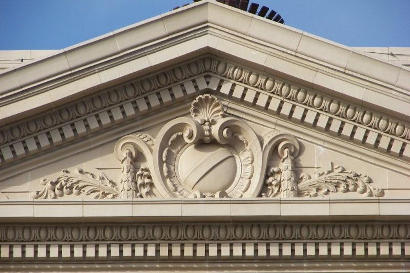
(207, 155)
(78, 182)
(281, 181)
(134, 182)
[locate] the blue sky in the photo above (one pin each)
(56, 24)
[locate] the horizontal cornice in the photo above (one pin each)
(260, 241)
(231, 209)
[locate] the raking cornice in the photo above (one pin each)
(203, 28)
(277, 96)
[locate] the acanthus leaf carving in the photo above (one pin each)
(338, 179)
(144, 183)
(134, 181)
(78, 182)
(281, 181)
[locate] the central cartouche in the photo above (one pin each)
(207, 168)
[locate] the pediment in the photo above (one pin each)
(262, 130)
(330, 111)
(205, 138)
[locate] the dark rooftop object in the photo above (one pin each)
(251, 8)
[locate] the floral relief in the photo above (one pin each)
(338, 179)
(206, 155)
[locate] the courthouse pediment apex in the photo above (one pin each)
(191, 31)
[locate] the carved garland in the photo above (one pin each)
(208, 155)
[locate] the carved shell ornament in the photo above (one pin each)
(206, 110)
(207, 155)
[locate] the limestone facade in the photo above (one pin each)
(205, 139)
(10, 59)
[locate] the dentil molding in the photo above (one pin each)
(280, 97)
(372, 241)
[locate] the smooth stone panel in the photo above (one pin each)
(90, 52)
(124, 69)
(202, 209)
(156, 210)
(8, 81)
(58, 210)
(325, 51)
(374, 68)
(140, 34)
(244, 209)
(354, 208)
(187, 17)
(230, 18)
(107, 210)
(398, 181)
(25, 209)
(394, 208)
(342, 87)
(404, 79)
(290, 68)
(296, 206)
(371, 98)
(39, 70)
(270, 32)
(239, 50)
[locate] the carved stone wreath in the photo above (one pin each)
(207, 155)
